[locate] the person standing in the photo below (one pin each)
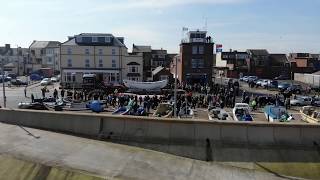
(25, 91)
(55, 93)
(62, 93)
(32, 98)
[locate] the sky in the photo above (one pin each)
(280, 26)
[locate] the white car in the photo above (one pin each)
(301, 101)
(45, 82)
(262, 82)
(54, 79)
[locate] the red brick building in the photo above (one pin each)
(195, 60)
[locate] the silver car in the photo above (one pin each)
(301, 101)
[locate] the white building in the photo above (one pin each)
(44, 54)
(102, 54)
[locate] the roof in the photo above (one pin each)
(136, 48)
(258, 52)
(133, 63)
(157, 70)
(44, 44)
(9, 65)
(280, 58)
(72, 40)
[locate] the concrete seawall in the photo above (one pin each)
(164, 134)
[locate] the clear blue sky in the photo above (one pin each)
(277, 25)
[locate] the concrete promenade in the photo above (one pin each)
(102, 159)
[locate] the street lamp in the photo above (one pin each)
(3, 85)
(175, 88)
(73, 82)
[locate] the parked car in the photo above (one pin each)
(252, 78)
(45, 82)
(295, 88)
(54, 79)
(260, 82)
(13, 76)
(301, 101)
(270, 84)
(283, 86)
(243, 78)
(315, 101)
(18, 82)
(282, 77)
(6, 79)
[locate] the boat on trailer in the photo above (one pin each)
(277, 113)
(241, 112)
(156, 85)
(310, 114)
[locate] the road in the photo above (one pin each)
(15, 94)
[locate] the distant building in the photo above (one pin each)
(14, 59)
(44, 54)
(152, 58)
(147, 60)
(232, 64)
(304, 62)
(195, 61)
(102, 54)
(162, 73)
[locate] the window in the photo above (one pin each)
(114, 65)
(201, 50)
(100, 51)
(163, 77)
(133, 69)
(101, 40)
(87, 63)
(70, 77)
(100, 63)
(87, 39)
(69, 62)
(69, 51)
(113, 51)
(194, 50)
(197, 63)
(49, 60)
(87, 51)
(94, 39)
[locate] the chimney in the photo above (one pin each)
(7, 46)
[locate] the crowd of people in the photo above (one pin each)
(194, 96)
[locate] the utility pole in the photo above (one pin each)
(3, 85)
(175, 88)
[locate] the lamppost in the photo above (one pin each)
(175, 87)
(3, 86)
(73, 83)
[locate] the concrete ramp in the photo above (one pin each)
(30, 153)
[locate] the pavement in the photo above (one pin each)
(108, 160)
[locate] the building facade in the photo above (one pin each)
(195, 61)
(304, 62)
(102, 54)
(44, 54)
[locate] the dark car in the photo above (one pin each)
(283, 86)
(18, 82)
(295, 89)
(282, 77)
(13, 76)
